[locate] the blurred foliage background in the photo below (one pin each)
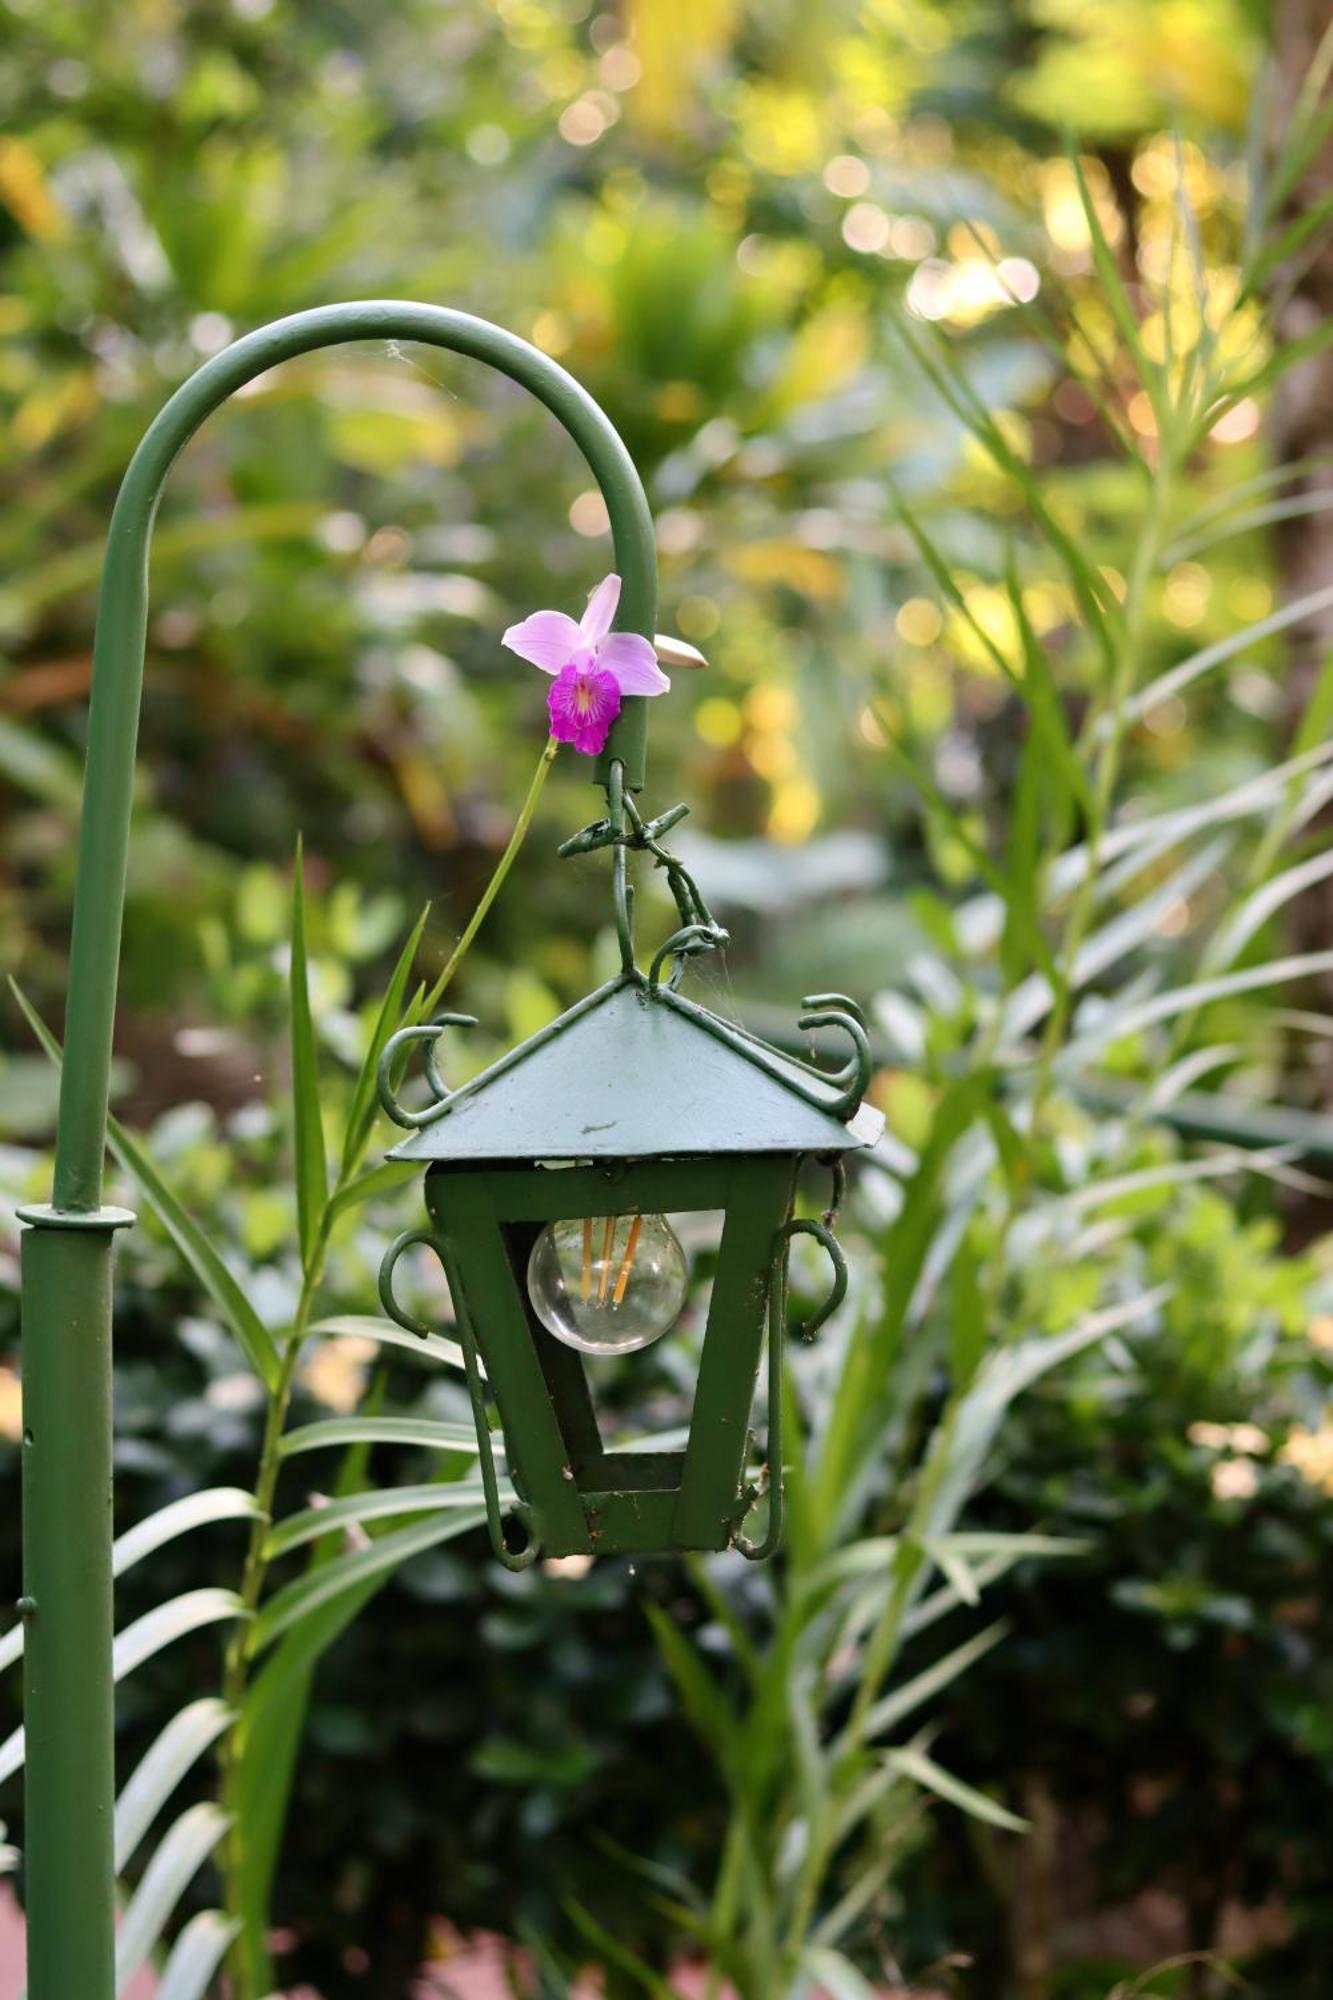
(732, 223)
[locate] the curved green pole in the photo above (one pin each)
(67, 1251)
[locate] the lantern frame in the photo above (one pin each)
(635, 1101)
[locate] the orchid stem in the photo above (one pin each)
(496, 883)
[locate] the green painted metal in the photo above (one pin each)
(579, 1497)
(67, 1583)
(761, 1550)
(119, 650)
(637, 1072)
(67, 1253)
(711, 1492)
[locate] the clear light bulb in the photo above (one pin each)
(608, 1284)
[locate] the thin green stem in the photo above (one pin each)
(497, 881)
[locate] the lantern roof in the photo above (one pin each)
(636, 1071)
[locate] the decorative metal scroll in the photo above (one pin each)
(771, 1481)
(515, 1559)
(429, 1033)
(623, 829)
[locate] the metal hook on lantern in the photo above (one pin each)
(777, 1320)
(514, 1559)
(428, 1032)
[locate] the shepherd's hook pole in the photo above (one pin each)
(67, 1247)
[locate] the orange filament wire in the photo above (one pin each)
(627, 1262)
(587, 1256)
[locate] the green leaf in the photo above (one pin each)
(924, 1771)
(169, 1622)
(181, 1517)
(892, 1708)
(427, 1431)
(870, 1360)
(268, 1739)
(196, 1510)
(709, 1710)
(166, 1878)
(1130, 1018)
(179, 1747)
(369, 1326)
(380, 1504)
(1316, 723)
(383, 1179)
(196, 1956)
(1113, 291)
(189, 1239)
(612, 1952)
(954, 1566)
(361, 1111)
(1186, 671)
(140, 1641)
(346, 1574)
(36, 766)
(838, 1978)
(312, 1173)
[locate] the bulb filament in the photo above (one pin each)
(608, 1245)
(627, 1261)
(587, 1256)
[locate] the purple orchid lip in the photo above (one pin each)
(594, 668)
(583, 703)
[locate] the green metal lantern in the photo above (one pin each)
(550, 1178)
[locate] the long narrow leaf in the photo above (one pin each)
(196, 1510)
(382, 1504)
(932, 1680)
(140, 1641)
(426, 1431)
(179, 1747)
(1116, 1022)
(924, 1771)
(165, 1880)
(348, 1573)
(1187, 671)
(369, 1326)
(169, 1622)
(361, 1111)
(838, 1978)
(196, 1956)
(190, 1241)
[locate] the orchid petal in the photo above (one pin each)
(632, 660)
(596, 620)
(549, 639)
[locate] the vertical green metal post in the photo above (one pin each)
(67, 1529)
(67, 1249)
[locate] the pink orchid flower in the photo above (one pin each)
(593, 666)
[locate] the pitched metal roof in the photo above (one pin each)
(634, 1074)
